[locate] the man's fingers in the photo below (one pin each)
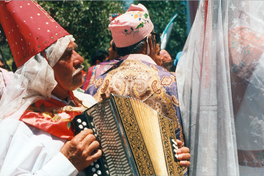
(96, 155)
(183, 150)
(183, 153)
(88, 139)
(185, 163)
(79, 137)
(91, 148)
(184, 156)
(180, 143)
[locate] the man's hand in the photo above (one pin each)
(183, 154)
(82, 150)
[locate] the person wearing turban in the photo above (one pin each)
(137, 74)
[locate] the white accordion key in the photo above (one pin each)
(99, 172)
(80, 126)
(175, 147)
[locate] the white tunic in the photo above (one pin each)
(27, 150)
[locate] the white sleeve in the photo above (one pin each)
(29, 151)
(53, 168)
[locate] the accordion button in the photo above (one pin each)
(107, 172)
(84, 123)
(80, 126)
(95, 175)
(85, 128)
(79, 120)
(176, 156)
(99, 172)
(93, 169)
(174, 141)
(92, 163)
(176, 147)
(97, 166)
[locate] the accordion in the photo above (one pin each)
(134, 138)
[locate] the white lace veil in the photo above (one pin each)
(32, 81)
(221, 82)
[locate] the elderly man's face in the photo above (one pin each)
(67, 70)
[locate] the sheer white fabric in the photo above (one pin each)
(221, 85)
(32, 81)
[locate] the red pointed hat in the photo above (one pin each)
(29, 29)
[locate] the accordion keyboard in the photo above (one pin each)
(110, 140)
(114, 160)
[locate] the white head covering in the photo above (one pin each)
(32, 81)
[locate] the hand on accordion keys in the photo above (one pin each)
(82, 150)
(183, 154)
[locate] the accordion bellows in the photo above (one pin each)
(135, 139)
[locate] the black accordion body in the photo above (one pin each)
(135, 139)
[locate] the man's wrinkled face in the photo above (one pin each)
(68, 70)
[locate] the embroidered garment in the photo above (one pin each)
(54, 116)
(139, 77)
(51, 116)
(96, 71)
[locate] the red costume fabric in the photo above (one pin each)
(52, 116)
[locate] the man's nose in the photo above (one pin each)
(78, 60)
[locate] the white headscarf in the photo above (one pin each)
(32, 81)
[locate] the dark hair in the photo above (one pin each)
(169, 66)
(14, 67)
(131, 49)
(99, 55)
(113, 46)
